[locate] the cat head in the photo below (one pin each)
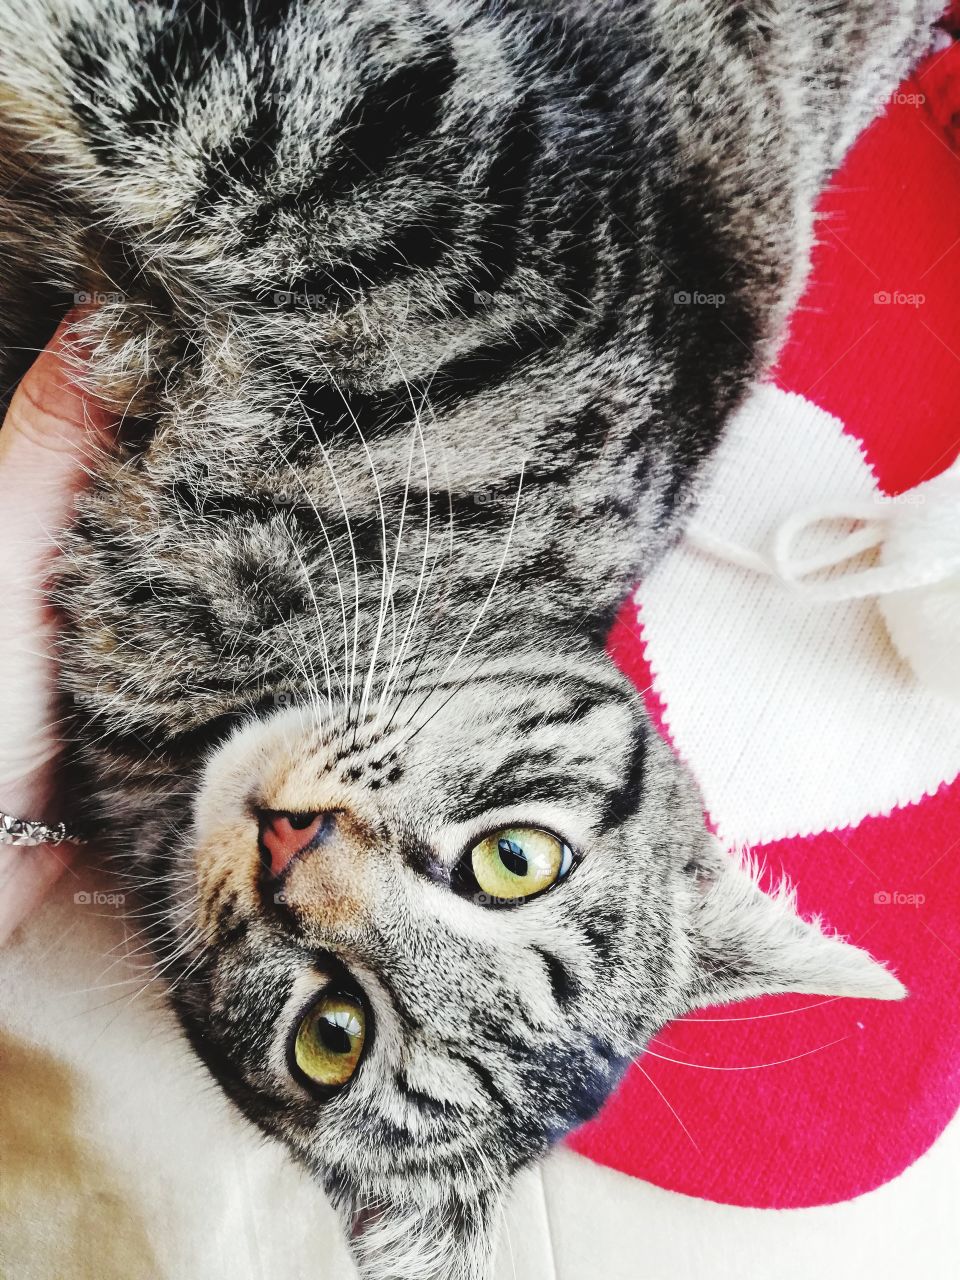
(419, 949)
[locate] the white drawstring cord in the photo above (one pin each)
(792, 570)
(914, 578)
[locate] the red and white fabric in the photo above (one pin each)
(813, 742)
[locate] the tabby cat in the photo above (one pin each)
(401, 303)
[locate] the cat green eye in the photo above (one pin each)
(518, 862)
(330, 1039)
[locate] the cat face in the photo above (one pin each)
(422, 949)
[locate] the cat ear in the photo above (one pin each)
(749, 943)
(452, 1240)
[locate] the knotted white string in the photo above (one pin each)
(914, 577)
(784, 563)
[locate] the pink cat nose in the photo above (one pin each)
(285, 835)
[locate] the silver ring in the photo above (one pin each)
(27, 831)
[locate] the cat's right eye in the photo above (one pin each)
(330, 1039)
(516, 863)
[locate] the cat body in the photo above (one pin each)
(424, 319)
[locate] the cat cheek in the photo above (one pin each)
(227, 865)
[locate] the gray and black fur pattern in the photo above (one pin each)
(389, 294)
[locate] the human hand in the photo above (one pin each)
(51, 439)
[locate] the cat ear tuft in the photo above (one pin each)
(749, 943)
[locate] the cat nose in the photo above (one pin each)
(282, 836)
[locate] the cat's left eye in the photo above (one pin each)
(330, 1039)
(517, 863)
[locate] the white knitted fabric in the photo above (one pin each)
(798, 716)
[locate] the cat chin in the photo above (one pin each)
(449, 1242)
